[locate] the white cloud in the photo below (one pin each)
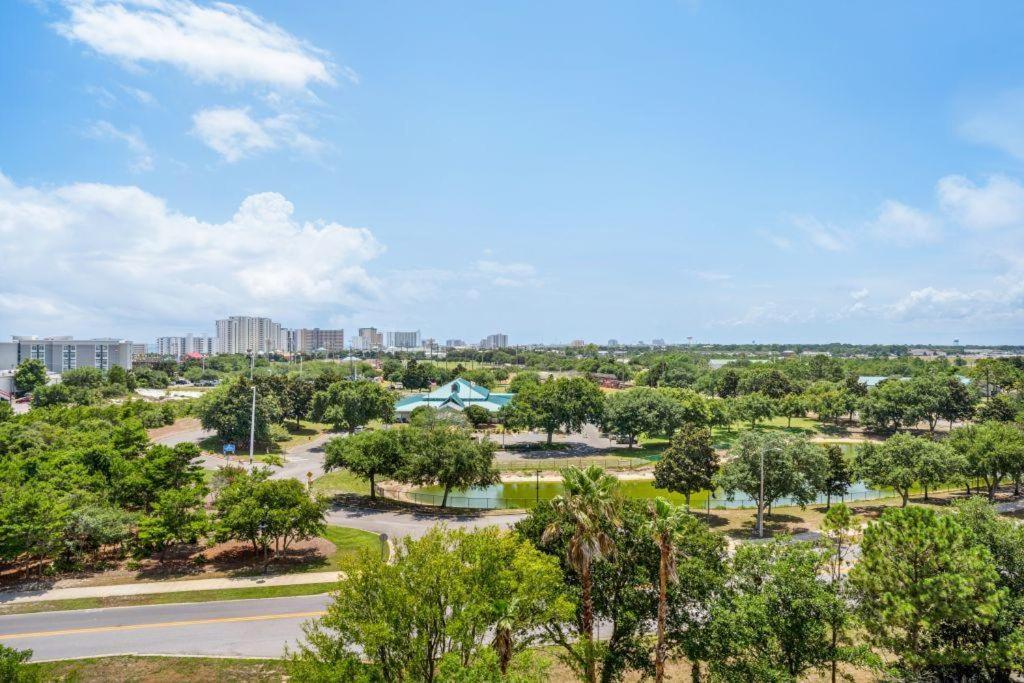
(822, 235)
(221, 43)
(990, 305)
(998, 123)
(511, 274)
(234, 134)
(860, 294)
(710, 275)
(779, 241)
(139, 95)
(901, 224)
(104, 130)
(997, 204)
(117, 257)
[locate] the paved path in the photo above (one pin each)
(240, 628)
(156, 587)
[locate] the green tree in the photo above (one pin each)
(890, 406)
(30, 375)
(56, 394)
(587, 500)
(793, 468)
(14, 666)
(521, 379)
(900, 462)
(178, 516)
(450, 457)
(296, 398)
(228, 411)
(6, 411)
(689, 463)
(85, 378)
(478, 416)
(753, 408)
(838, 477)
(790, 406)
(999, 408)
(369, 455)
(469, 599)
(347, 405)
(640, 410)
(956, 403)
(839, 538)
(775, 621)
(766, 380)
(921, 576)
(990, 450)
(565, 403)
(663, 526)
(268, 512)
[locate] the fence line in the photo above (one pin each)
(712, 502)
(542, 464)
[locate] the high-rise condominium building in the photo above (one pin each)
(404, 340)
(369, 338)
(314, 340)
(179, 347)
(495, 341)
(67, 353)
(242, 334)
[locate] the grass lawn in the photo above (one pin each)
(169, 598)
(297, 436)
(161, 669)
(349, 543)
(648, 448)
(341, 481)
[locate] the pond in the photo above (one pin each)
(525, 494)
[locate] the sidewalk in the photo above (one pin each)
(154, 587)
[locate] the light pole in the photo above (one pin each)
(760, 499)
(252, 424)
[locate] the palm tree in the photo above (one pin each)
(665, 519)
(585, 507)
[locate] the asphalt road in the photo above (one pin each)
(244, 628)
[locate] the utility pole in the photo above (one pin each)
(252, 424)
(760, 501)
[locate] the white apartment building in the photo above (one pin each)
(495, 341)
(242, 334)
(403, 340)
(60, 354)
(179, 347)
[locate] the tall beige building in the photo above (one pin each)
(242, 334)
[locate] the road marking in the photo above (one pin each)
(163, 624)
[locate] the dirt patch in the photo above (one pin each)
(163, 670)
(184, 563)
(184, 424)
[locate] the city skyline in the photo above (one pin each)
(677, 170)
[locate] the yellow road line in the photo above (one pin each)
(163, 624)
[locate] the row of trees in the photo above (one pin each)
(76, 481)
(469, 606)
(344, 404)
(429, 451)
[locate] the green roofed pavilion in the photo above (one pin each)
(455, 395)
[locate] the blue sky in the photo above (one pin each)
(727, 171)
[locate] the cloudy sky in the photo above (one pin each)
(779, 171)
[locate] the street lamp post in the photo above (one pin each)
(252, 424)
(760, 500)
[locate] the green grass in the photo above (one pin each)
(305, 432)
(341, 481)
(169, 598)
(349, 543)
(162, 669)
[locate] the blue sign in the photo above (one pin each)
(229, 448)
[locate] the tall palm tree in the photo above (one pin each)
(665, 520)
(586, 505)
